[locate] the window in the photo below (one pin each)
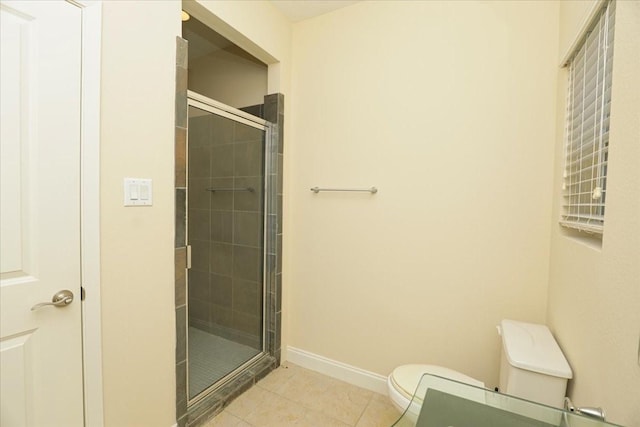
(587, 127)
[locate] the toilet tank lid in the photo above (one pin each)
(531, 347)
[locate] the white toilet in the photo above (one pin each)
(403, 381)
(532, 367)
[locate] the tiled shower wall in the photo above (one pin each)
(180, 236)
(226, 228)
(272, 111)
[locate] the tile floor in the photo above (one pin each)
(212, 357)
(294, 396)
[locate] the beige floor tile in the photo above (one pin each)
(278, 377)
(276, 411)
(305, 387)
(318, 419)
(379, 413)
(381, 398)
(342, 401)
(247, 402)
(295, 396)
(224, 419)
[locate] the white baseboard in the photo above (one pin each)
(341, 371)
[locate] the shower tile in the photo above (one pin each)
(246, 263)
(271, 342)
(247, 323)
(271, 263)
(278, 292)
(181, 108)
(271, 308)
(248, 200)
(199, 161)
(247, 297)
(277, 325)
(221, 290)
(181, 384)
(198, 224)
(280, 168)
(277, 343)
(180, 225)
(280, 127)
(182, 51)
(248, 158)
(199, 197)
(221, 315)
(243, 133)
(271, 108)
(221, 226)
(221, 200)
(181, 157)
(198, 311)
(200, 132)
(271, 151)
(181, 84)
(200, 255)
(263, 368)
(247, 228)
(271, 232)
(255, 110)
(279, 210)
(180, 258)
(221, 258)
(199, 285)
(279, 253)
(272, 322)
(221, 130)
(181, 334)
(222, 160)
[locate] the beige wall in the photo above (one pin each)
(449, 109)
(575, 17)
(137, 137)
(228, 76)
(594, 291)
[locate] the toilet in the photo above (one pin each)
(403, 381)
(532, 367)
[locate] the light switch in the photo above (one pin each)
(144, 192)
(133, 191)
(138, 192)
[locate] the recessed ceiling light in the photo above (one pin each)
(185, 16)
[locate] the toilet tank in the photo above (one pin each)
(532, 365)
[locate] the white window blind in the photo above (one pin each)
(587, 127)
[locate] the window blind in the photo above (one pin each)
(587, 127)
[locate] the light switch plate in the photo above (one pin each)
(138, 192)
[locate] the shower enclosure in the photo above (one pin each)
(229, 156)
(228, 230)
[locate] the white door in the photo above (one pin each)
(41, 349)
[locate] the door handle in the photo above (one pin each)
(60, 299)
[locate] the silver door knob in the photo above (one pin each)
(60, 299)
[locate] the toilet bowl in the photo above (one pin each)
(403, 381)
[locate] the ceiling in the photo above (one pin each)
(298, 10)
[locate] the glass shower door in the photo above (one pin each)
(225, 226)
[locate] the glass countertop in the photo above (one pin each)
(441, 402)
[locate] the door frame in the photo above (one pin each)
(90, 210)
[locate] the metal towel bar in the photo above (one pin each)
(372, 190)
(249, 189)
